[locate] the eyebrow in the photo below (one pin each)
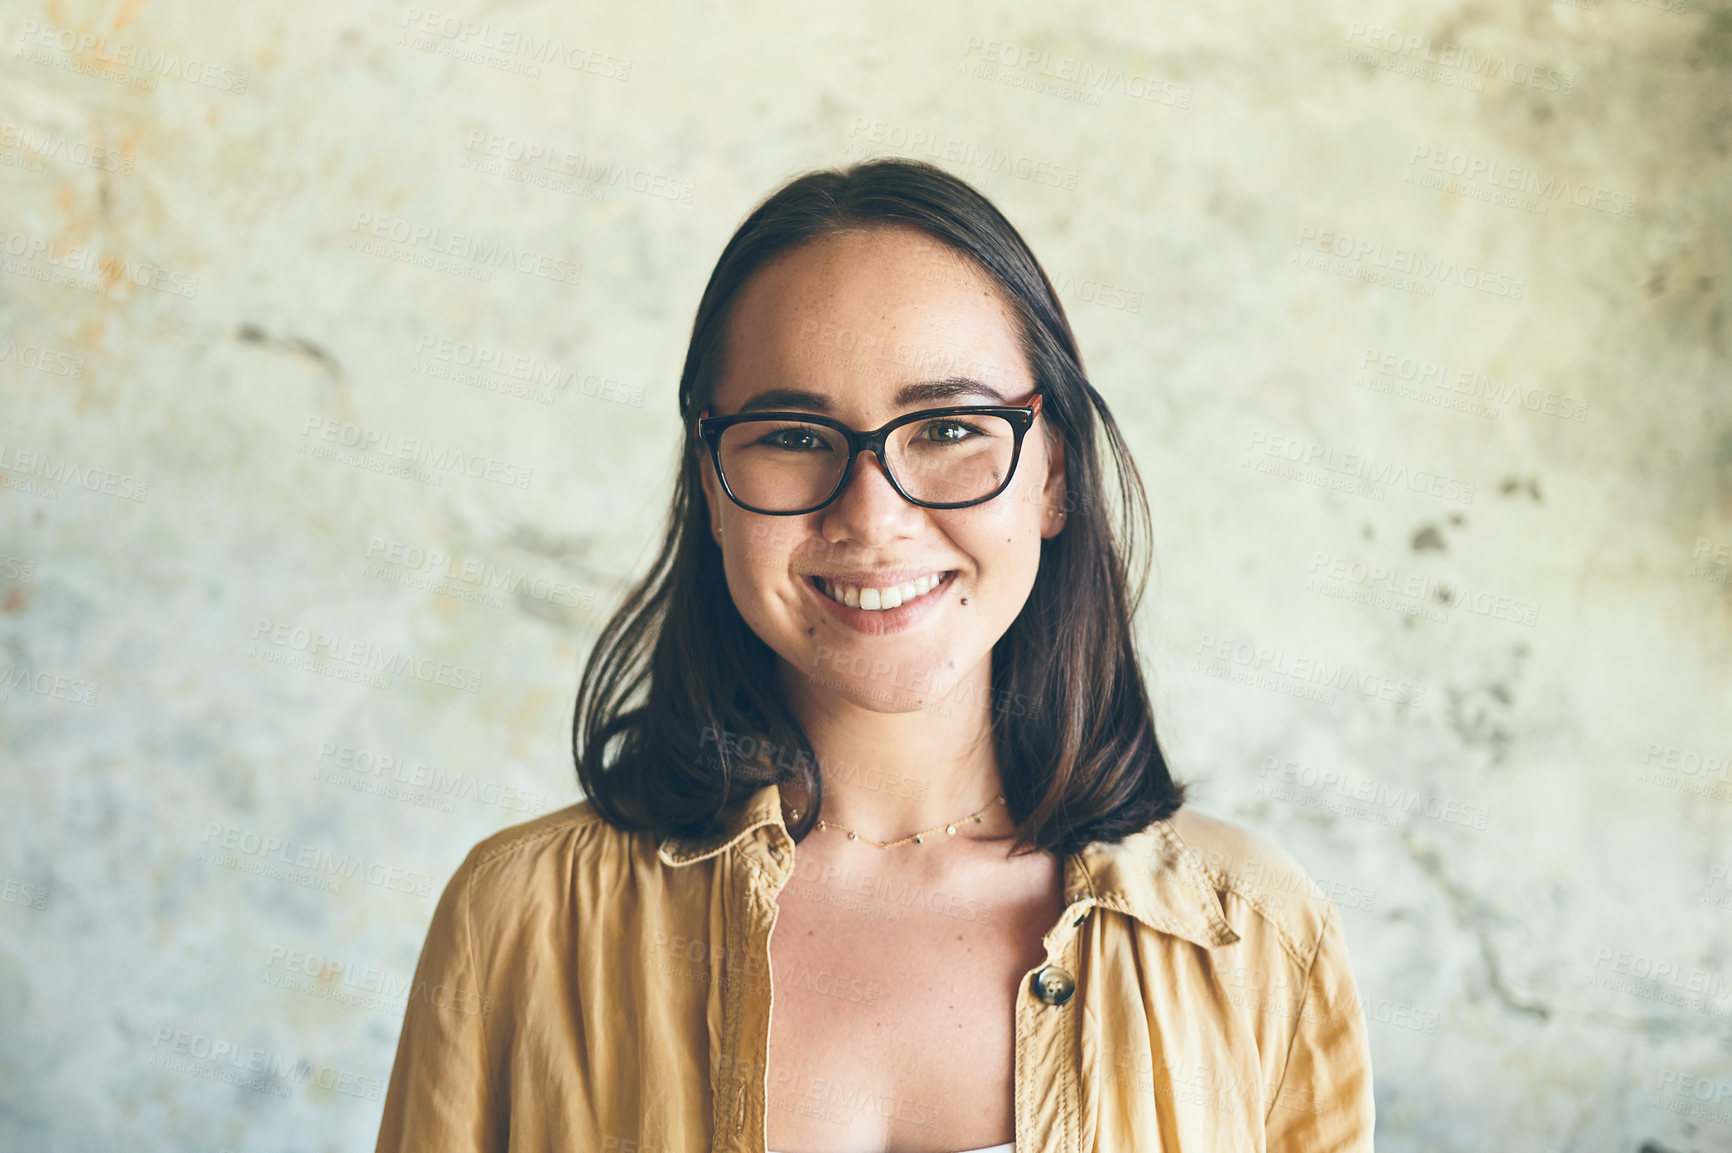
(921, 392)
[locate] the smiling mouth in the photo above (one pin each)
(882, 599)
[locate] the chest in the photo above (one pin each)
(892, 1017)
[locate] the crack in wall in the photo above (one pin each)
(1468, 910)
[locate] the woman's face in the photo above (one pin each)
(864, 326)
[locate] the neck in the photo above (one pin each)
(888, 775)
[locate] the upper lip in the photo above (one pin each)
(882, 578)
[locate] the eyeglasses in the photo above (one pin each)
(791, 463)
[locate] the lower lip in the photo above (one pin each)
(878, 622)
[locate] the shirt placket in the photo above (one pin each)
(742, 1096)
(1048, 1039)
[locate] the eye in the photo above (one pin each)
(949, 431)
(795, 438)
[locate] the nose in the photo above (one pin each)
(869, 510)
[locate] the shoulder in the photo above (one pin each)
(547, 853)
(1260, 886)
(539, 886)
(535, 836)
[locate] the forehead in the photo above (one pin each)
(857, 314)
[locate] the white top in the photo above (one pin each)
(1007, 1147)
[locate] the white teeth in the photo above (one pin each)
(877, 600)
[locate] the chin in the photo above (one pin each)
(875, 675)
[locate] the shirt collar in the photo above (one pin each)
(763, 808)
(1152, 875)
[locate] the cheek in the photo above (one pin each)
(1018, 534)
(757, 561)
(1025, 502)
(1009, 529)
(765, 541)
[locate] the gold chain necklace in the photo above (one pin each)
(917, 838)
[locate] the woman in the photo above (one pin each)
(870, 745)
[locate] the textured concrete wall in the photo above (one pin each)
(1414, 314)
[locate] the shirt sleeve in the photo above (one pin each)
(440, 1098)
(1323, 1103)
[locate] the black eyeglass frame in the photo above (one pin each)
(710, 428)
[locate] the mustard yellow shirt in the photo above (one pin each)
(586, 989)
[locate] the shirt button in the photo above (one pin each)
(1053, 985)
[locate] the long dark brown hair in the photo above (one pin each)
(679, 714)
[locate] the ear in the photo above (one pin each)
(713, 495)
(1053, 491)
